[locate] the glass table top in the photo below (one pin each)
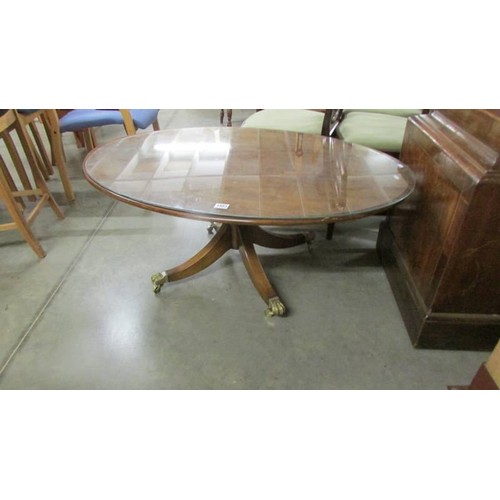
(248, 175)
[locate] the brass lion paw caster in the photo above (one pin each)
(212, 228)
(276, 308)
(159, 279)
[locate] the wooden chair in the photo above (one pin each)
(10, 195)
(48, 118)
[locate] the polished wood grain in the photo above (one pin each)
(265, 177)
(261, 178)
(441, 245)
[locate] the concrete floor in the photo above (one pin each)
(85, 316)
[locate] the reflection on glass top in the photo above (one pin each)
(241, 173)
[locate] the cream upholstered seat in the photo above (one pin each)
(394, 112)
(294, 120)
(381, 129)
(374, 130)
(306, 121)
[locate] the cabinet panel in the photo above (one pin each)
(441, 246)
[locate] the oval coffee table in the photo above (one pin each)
(242, 179)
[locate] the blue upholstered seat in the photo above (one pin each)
(86, 120)
(79, 119)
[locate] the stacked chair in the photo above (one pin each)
(23, 183)
(23, 190)
(46, 161)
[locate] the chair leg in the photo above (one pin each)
(48, 130)
(9, 181)
(57, 151)
(41, 152)
(63, 173)
(89, 139)
(128, 122)
(18, 220)
(156, 125)
(329, 230)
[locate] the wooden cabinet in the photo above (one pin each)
(441, 247)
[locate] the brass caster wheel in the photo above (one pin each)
(159, 279)
(276, 308)
(212, 228)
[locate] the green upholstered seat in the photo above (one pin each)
(394, 112)
(375, 130)
(294, 120)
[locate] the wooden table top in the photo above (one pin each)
(248, 176)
